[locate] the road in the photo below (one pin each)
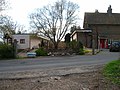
(54, 62)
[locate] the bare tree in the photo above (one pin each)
(53, 21)
(2, 5)
(8, 26)
(20, 29)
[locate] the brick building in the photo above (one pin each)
(105, 27)
(82, 35)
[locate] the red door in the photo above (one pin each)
(103, 43)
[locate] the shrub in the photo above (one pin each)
(6, 51)
(112, 71)
(87, 51)
(77, 47)
(73, 45)
(41, 52)
(81, 51)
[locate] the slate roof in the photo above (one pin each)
(102, 18)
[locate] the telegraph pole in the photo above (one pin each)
(93, 44)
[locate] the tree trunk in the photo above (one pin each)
(7, 41)
(55, 46)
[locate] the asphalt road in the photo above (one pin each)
(54, 62)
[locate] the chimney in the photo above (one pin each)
(109, 11)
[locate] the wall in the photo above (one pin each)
(110, 32)
(22, 46)
(34, 42)
(74, 37)
(85, 38)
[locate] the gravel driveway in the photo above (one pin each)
(73, 78)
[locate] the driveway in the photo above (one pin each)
(57, 62)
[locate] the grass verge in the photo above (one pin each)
(112, 71)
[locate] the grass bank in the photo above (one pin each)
(112, 71)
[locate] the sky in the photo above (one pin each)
(20, 9)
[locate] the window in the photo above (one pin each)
(22, 41)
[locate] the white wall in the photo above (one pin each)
(75, 36)
(34, 42)
(27, 41)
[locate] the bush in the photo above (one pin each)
(81, 51)
(87, 51)
(77, 47)
(73, 45)
(41, 52)
(6, 51)
(112, 71)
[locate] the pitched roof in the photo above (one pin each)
(102, 18)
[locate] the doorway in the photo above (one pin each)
(103, 43)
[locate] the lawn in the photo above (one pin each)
(112, 71)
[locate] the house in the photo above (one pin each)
(105, 27)
(83, 36)
(29, 41)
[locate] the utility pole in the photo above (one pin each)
(93, 44)
(15, 48)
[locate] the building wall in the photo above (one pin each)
(34, 42)
(74, 37)
(109, 32)
(31, 41)
(85, 39)
(26, 44)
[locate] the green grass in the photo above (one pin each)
(87, 51)
(112, 71)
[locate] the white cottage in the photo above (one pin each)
(30, 41)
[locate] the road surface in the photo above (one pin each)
(54, 62)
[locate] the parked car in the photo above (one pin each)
(114, 46)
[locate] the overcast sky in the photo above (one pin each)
(20, 9)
